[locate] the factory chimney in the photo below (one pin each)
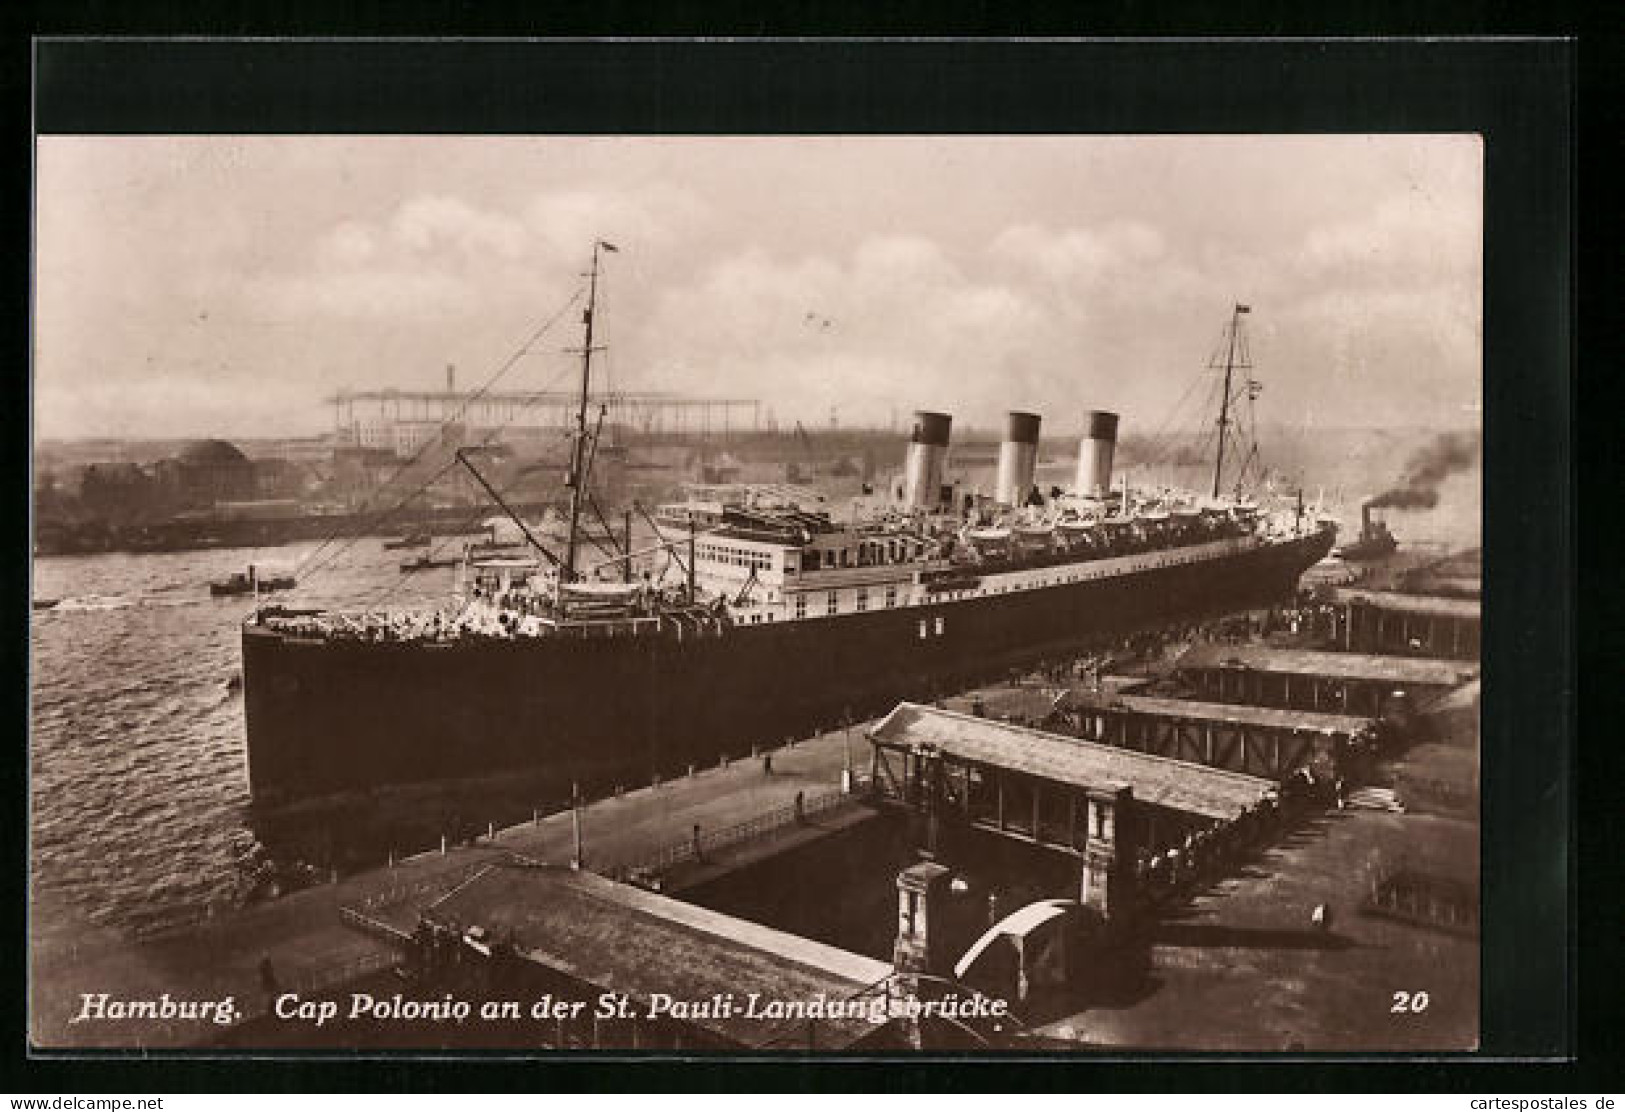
(1018, 459)
(1095, 453)
(451, 378)
(927, 454)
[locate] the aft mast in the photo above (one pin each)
(576, 480)
(1230, 366)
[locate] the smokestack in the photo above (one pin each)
(451, 378)
(1095, 453)
(1365, 519)
(927, 452)
(1018, 458)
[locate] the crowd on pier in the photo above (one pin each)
(1216, 850)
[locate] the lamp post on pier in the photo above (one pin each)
(846, 769)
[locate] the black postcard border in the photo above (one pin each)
(1518, 94)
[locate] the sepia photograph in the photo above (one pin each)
(799, 593)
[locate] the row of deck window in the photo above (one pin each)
(738, 557)
(861, 597)
(832, 601)
(866, 554)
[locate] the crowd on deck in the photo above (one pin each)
(396, 625)
(512, 614)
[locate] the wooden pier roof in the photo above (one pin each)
(620, 938)
(1433, 605)
(1178, 785)
(1236, 714)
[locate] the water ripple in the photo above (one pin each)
(139, 809)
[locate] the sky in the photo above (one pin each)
(227, 286)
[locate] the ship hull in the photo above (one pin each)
(332, 716)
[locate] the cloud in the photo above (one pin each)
(370, 294)
(1081, 255)
(348, 245)
(429, 224)
(892, 323)
(1406, 239)
(646, 218)
(1061, 274)
(439, 257)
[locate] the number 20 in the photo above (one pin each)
(1409, 1002)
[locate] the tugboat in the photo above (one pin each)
(251, 582)
(427, 562)
(1374, 541)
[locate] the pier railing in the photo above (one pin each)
(697, 848)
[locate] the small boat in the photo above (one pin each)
(251, 582)
(412, 540)
(427, 562)
(483, 549)
(46, 603)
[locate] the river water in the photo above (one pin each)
(139, 795)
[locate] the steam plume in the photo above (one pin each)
(1448, 453)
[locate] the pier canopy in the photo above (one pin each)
(604, 936)
(1328, 665)
(1104, 807)
(1396, 622)
(1304, 679)
(1402, 603)
(1240, 714)
(967, 740)
(1272, 742)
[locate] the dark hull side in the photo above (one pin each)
(336, 716)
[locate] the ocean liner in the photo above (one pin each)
(772, 616)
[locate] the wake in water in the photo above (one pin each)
(91, 603)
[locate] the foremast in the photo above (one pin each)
(576, 479)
